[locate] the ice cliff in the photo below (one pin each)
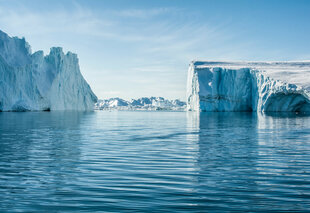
(37, 82)
(249, 86)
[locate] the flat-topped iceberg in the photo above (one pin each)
(249, 86)
(37, 82)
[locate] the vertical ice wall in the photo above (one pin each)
(220, 86)
(37, 82)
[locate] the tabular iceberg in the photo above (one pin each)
(37, 82)
(249, 86)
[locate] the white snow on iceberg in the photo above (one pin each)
(145, 103)
(249, 86)
(37, 82)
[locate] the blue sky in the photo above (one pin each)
(135, 48)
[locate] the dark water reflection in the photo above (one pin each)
(154, 162)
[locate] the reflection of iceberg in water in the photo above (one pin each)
(227, 154)
(284, 141)
(40, 151)
(53, 134)
(251, 160)
(225, 137)
(17, 122)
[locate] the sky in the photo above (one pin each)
(137, 48)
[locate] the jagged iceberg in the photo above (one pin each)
(249, 86)
(145, 103)
(37, 82)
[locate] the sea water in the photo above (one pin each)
(154, 162)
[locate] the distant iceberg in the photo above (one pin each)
(37, 82)
(145, 103)
(249, 86)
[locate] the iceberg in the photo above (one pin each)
(31, 82)
(249, 86)
(144, 103)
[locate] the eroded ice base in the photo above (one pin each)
(249, 86)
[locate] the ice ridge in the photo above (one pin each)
(36, 82)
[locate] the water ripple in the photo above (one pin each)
(154, 162)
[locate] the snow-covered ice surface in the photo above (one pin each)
(145, 103)
(249, 86)
(37, 82)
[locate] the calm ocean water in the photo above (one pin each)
(154, 162)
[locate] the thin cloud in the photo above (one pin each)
(142, 13)
(161, 44)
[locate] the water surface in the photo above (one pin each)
(154, 162)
